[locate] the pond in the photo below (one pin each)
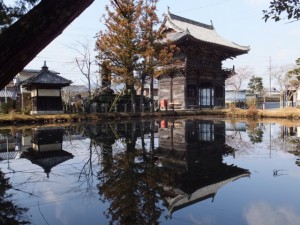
(175, 171)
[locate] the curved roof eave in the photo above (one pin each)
(201, 32)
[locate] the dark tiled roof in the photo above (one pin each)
(46, 77)
(75, 89)
(185, 27)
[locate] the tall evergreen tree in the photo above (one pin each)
(155, 51)
(119, 42)
(255, 85)
(133, 42)
(149, 44)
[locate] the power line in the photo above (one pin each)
(205, 6)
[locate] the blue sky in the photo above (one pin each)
(239, 21)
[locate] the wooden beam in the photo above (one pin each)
(23, 40)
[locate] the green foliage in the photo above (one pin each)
(280, 9)
(296, 71)
(10, 13)
(7, 107)
(251, 102)
(255, 135)
(255, 85)
(26, 110)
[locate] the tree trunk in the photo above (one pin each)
(142, 94)
(132, 98)
(23, 40)
(151, 93)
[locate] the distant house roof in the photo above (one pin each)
(46, 77)
(36, 71)
(75, 89)
(202, 32)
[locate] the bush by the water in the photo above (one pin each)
(252, 112)
(7, 107)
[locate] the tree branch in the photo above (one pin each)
(23, 40)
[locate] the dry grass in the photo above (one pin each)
(23, 118)
(289, 113)
(232, 113)
(286, 113)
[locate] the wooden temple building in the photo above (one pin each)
(198, 80)
(45, 88)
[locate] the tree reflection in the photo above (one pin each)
(130, 183)
(10, 213)
(140, 184)
(255, 133)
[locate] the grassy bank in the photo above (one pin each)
(252, 113)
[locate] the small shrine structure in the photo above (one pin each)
(197, 79)
(45, 89)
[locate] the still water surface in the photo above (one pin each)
(151, 172)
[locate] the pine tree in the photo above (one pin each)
(119, 42)
(134, 42)
(148, 45)
(255, 86)
(155, 50)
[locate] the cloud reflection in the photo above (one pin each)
(263, 214)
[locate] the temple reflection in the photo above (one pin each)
(46, 148)
(184, 166)
(191, 152)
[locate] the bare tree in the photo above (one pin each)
(285, 81)
(85, 61)
(239, 79)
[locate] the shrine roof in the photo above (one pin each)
(46, 77)
(206, 33)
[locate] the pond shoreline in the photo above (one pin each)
(21, 119)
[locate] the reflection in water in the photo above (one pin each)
(262, 213)
(191, 153)
(147, 172)
(186, 168)
(128, 178)
(10, 213)
(255, 133)
(46, 150)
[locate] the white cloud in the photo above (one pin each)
(263, 214)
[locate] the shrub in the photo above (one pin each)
(7, 107)
(251, 102)
(252, 112)
(26, 109)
